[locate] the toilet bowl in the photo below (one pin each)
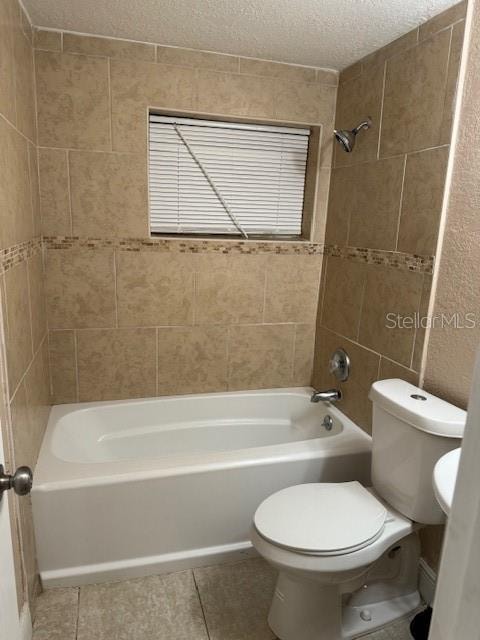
(314, 571)
(347, 555)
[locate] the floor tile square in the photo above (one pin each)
(155, 608)
(56, 615)
(236, 599)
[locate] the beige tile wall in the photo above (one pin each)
(93, 95)
(23, 325)
(387, 195)
(140, 323)
(144, 323)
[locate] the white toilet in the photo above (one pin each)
(348, 555)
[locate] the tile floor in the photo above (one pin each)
(226, 602)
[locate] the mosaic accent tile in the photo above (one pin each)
(395, 259)
(408, 262)
(19, 253)
(174, 245)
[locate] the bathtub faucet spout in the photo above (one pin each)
(330, 395)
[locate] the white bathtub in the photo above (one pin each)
(137, 487)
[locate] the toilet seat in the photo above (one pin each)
(322, 519)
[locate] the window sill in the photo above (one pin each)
(229, 238)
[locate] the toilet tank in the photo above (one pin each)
(411, 430)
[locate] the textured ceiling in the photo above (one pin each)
(325, 33)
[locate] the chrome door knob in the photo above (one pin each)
(21, 481)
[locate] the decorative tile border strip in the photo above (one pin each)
(19, 253)
(395, 259)
(174, 245)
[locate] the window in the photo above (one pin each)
(208, 177)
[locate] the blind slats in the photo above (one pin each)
(259, 172)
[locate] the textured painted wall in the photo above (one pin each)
(451, 351)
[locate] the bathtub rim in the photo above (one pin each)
(53, 474)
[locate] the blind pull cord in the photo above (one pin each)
(210, 182)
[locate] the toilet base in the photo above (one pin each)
(303, 610)
(377, 614)
(307, 609)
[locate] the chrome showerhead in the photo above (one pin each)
(346, 137)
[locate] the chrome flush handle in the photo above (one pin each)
(21, 481)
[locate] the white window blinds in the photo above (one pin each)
(225, 177)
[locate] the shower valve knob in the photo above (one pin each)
(339, 365)
(21, 481)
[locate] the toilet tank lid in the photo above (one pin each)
(418, 408)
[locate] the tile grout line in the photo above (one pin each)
(381, 109)
(228, 357)
(13, 126)
(400, 206)
(50, 367)
(265, 285)
(415, 331)
(37, 154)
(321, 297)
(78, 614)
(365, 348)
(177, 326)
(30, 311)
(352, 164)
(445, 84)
(25, 373)
(195, 288)
(201, 604)
(139, 152)
(157, 362)
(83, 150)
(5, 395)
(419, 40)
(110, 101)
(31, 173)
(80, 34)
(15, 85)
(75, 354)
(362, 304)
(294, 353)
(115, 286)
(69, 190)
